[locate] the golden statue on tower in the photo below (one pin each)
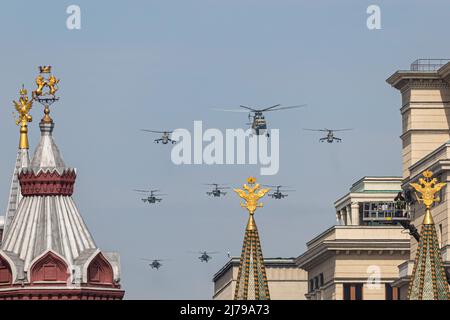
(428, 189)
(428, 280)
(23, 108)
(252, 195)
(46, 97)
(251, 283)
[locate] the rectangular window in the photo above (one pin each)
(353, 291)
(321, 279)
(311, 285)
(392, 293)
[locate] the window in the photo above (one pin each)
(353, 291)
(311, 285)
(316, 282)
(392, 293)
(321, 279)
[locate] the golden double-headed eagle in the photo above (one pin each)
(251, 197)
(428, 188)
(23, 108)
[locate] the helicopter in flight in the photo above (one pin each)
(217, 191)
(165, 138)
(256, 118)
(330, 138)
(152, 196)
(155, 263)
(205, 256)
(278, 194)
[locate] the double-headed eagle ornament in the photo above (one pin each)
(251, 197)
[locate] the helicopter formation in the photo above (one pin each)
(257, 122)
(205, 256)
(215, 192)
(259, 126)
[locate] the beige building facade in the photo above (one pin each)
(425, 110)
(286, 281)
(358, 258)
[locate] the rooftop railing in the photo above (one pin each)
(428, 64)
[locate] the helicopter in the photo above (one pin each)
(155, 263)
(256, 118)
(152, 197)
(330, 138)
(205, 256)
(165, 138)
(278, 194)
(217, 191)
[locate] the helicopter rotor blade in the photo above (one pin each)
(323, 130)
(154, 131)
(230, 110)
(250, 109)
(335, 130)
(286, 108)
(270, 108)
(141, 191)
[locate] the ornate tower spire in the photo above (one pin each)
(23, 107)
(428, 280)
(252, 280)
(48, 251)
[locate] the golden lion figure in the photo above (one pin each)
(41, 83)
(52, 85)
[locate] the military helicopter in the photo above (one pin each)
(217, 191)
(165, 138)
(152, 197)
(330, 138)
(205, 256)
(155, 263)
(256, 118)
(278, 194)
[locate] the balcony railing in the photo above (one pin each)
(428, 64)
(383, 211)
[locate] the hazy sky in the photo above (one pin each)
(164, 64)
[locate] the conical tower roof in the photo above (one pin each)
(251, 282)
(428, 280)
(47, 217)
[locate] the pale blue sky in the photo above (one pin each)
(164, 64)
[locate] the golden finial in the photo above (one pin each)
(46, 97)
(251, 197)
(23, 108)
(428, 188)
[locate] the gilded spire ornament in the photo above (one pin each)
(251, 282)
(45, 93)
(23, 107)
(428, 280)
